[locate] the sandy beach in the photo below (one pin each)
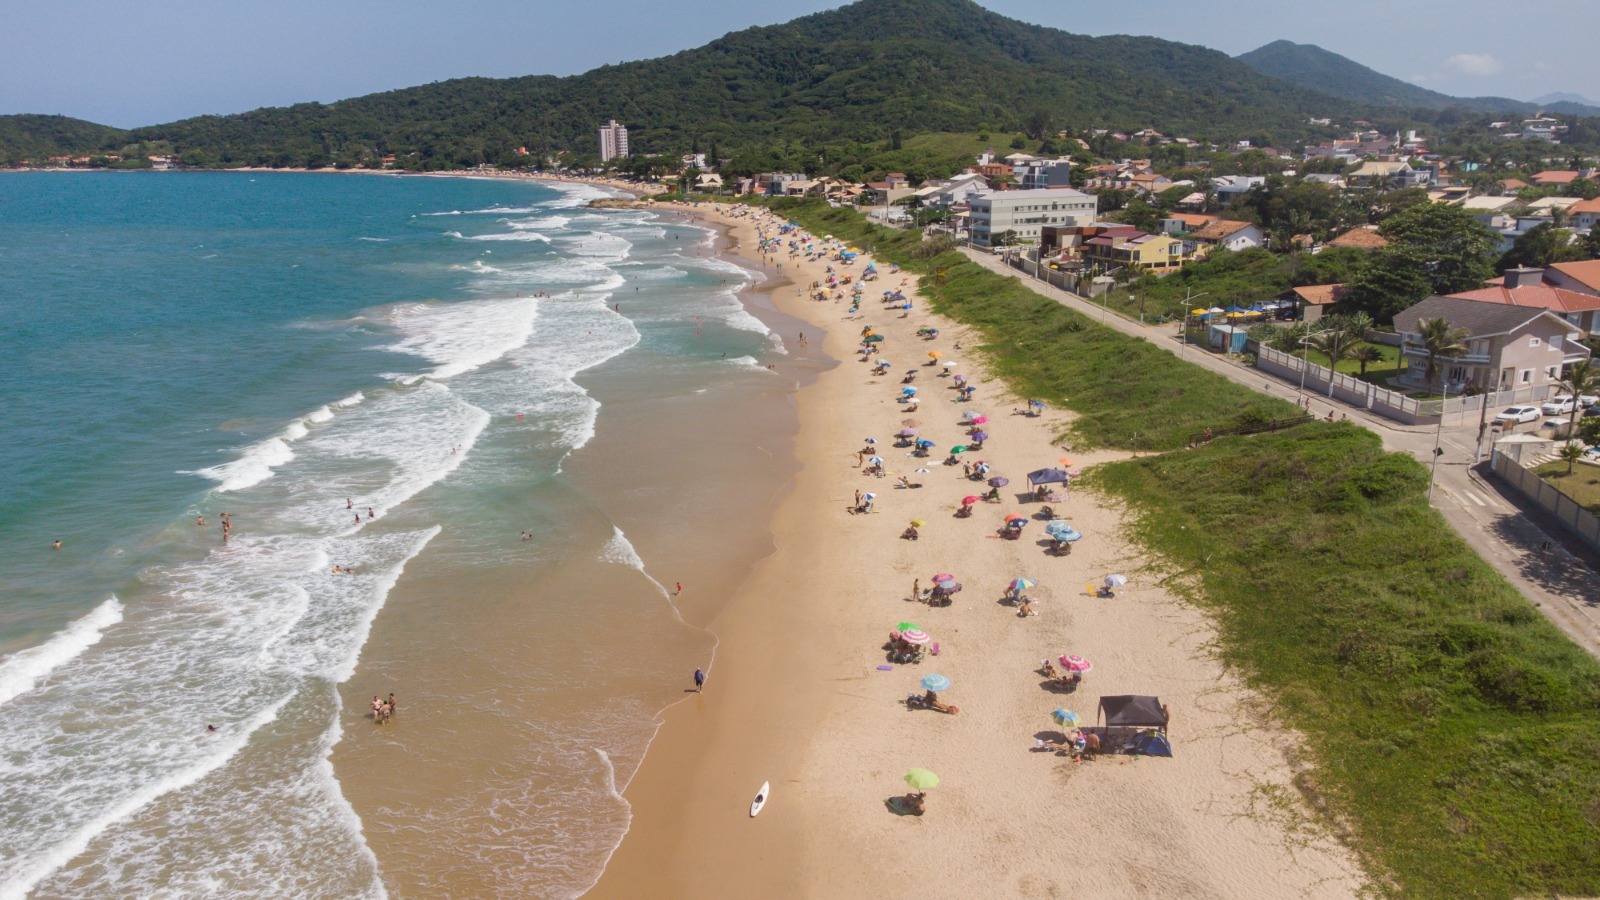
(797, 698)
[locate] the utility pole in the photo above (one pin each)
(1438, 434)
(1183, 322)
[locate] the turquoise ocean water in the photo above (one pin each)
(183, 345)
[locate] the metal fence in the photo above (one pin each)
(1388, 403)
(1566, 510)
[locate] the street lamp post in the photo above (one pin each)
(1183, 322)
(1305, 365)
(1438, 434)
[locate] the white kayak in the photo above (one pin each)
(761, 799)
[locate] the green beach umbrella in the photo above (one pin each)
(958, 449)
(922, 779)
(907, 626)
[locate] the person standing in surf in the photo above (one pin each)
(699, 681)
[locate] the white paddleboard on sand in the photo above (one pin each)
(761, 799)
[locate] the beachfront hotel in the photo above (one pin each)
(1025, 213)
(613, 141)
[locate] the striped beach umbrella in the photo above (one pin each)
(915, 636)
(1066, 717)
(935, 682)
(943, 576)
(1076, 664)
(1022, 584)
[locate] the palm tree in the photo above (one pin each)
(1366, 354)
(1571, 452)
(1440, 340)
(1334, 342)
(1581, 379)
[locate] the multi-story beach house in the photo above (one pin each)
(613, 141)
(1507, 346)
(1025, 213)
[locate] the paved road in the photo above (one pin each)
(1561, 580)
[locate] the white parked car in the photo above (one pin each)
(1515, 415)
(1556, 406)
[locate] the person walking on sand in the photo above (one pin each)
(699, 681)
(677, 588)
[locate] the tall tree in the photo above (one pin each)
(1441, 340)
(1540, 246)
(1582, 379)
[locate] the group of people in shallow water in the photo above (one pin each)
(382, 709)
(227, 524)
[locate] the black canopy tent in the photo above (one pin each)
(1133, 711)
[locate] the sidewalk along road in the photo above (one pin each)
(1559, 577)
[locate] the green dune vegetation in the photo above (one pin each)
(1450, 729)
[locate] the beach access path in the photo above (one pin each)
(1562, 582)
(797, 696)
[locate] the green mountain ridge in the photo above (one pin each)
(857, 73)
(1314, 68)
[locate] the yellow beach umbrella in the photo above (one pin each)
(934, 354)
(1197, 312)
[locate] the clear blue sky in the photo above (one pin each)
(125, 63)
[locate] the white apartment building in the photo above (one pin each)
(1026, 212)
(613, 141)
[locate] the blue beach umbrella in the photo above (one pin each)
(935, 682)
(1022, 584)
(926, 443)
(874, 459)
(1065, 717)
(908, 390)
(1062, 531)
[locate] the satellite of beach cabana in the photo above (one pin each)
(1048, 476)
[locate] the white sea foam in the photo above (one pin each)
(575, 195)
(493, 210)
(22, 671)
(257, 462)
(597, 245)
(463, 336)
(549, 223)
(375, 240)
(502, 236)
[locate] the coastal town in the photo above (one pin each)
(922, 448)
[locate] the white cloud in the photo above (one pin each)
(1475, 64)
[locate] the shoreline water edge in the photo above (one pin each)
(734, 538)
(803, 698)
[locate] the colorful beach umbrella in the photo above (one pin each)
(959, 448)
(907, 432)
(1062, 530)
(1076, 664)
(999, 481)
(1066, 717)
(908, 390)
(926, 443)
(935, 682)
(874, 459)
(970, 499)
(872, 440)
(934, 354)
(943, 577)
(1116, 581)
(980, 436)
(978, 420)
(870, 495)
(917, 523)
(922, 779)
(950, 587)
(915, 636)
(1022, 584)
(906, 626)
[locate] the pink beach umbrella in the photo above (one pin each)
(1076, 664)
(969, 500)
(978, 420)
(915, 636)
(942, 577)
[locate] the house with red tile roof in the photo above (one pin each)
(1512, 185)
(1528, 287)
(1583, 277)
(1314, 300)
(1363, 238)
(1555, 178)
(1181, 223)
(1584, 214)
(1230, 234)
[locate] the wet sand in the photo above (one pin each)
(466, 792)
(797, 699)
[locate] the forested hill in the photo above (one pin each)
(1312, 67)
(27, 136)
(860, 72)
